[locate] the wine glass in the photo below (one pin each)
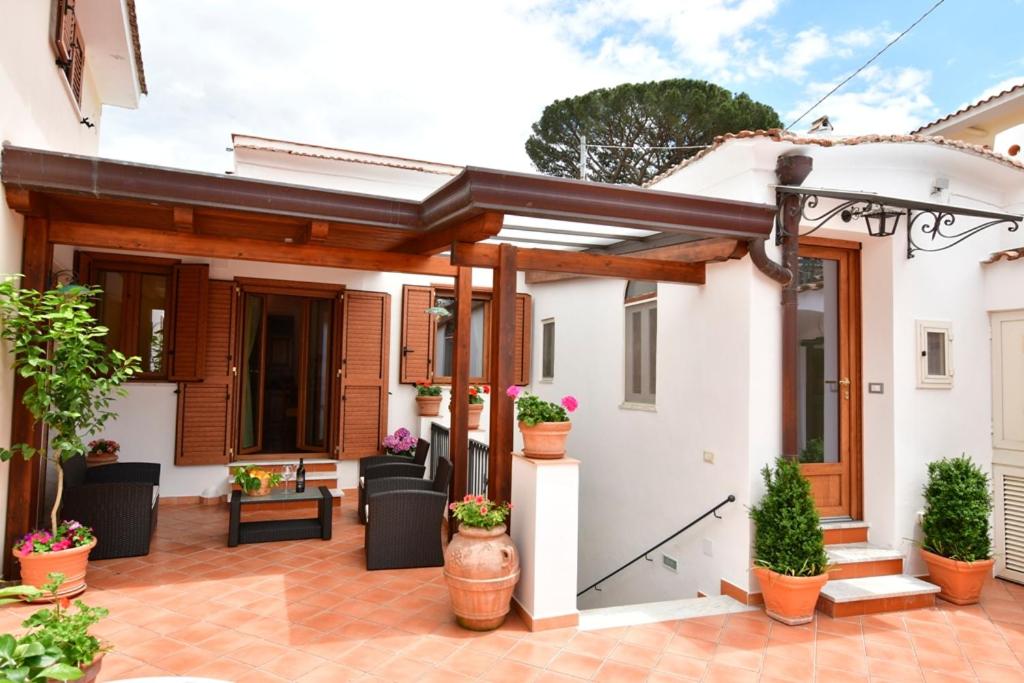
(287, 474)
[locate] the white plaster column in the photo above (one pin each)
(545, 527)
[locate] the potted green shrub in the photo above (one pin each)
(57, 346)
(428, 399)
(956, 545)
(545, 425)
(789, 546)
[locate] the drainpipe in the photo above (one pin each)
(775, 271)
(791, 170)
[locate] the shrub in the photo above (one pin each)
(788, 539)
(957, 506)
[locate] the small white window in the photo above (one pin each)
(641, 328)
(934, 354)
(547, 362)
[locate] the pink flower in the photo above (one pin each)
(479, 500)
(570, 403)
(467, 498)
(483, 510)
(513, 391)
(453, 506)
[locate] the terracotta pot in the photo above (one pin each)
(481, 567)
(789, 599)
(545, 440)
(89, 672)
(429, 406)
(72, 563)
(475, 409)
(961, 582)
(264, 488)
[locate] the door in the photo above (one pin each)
(828, 376)
(1008, 442)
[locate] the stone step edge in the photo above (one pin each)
(873, 553)
(845, 524)
(857, 590)
(655, 612)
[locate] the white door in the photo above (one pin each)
(1008, 441)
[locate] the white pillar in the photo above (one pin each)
(545, 527)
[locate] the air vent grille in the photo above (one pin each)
(1013, 522)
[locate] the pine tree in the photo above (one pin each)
(788, 539)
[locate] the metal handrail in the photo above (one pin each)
(644, 554)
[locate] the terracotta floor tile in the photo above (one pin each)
(619, 672)
(469, 662)
(826, 675)
(719, 673)
(679, 665)
(738, 658)
(995, 673)
(691, 647)
(329, 672)
(292, 664)
(400, 668)
(700, 631)
(648, 637)
(572, 664)
(788, 669)
(637, 655)
(895, 670)
(533, 654)
(592, 644)
(222, 669)
(991, 652)
(830, 659)
(509, 671)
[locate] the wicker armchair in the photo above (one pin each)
(404, 515)
(119, 501)
(377, 466)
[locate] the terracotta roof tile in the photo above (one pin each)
(779, 135)
(969, 107)
(1005, 255)
(133, 26)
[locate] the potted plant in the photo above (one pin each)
(789, 546)
(43, 553)
(58, 348)
(481, 565)
(428, 399)
(102, 452)
(476, 403)
(256, 481)
(956, 546)
(57, 645)
(402, 443)
(544, 425)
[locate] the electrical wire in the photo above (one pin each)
(588, 145)
(866, 64)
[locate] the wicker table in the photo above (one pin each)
(280, 529)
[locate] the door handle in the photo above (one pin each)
(844, 383)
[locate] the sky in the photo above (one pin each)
(461, 81)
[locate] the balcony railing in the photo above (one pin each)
(479, 454)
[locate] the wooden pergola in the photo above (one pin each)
(550, 227)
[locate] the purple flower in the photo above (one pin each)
(570, 403)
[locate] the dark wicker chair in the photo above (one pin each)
(377, 466)
(403, 526)
(119, 501)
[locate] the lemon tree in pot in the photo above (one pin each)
(789, 547)
(72, 379)
(957, 547)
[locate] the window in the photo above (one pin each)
(69, 46)
(547, 363)
(935, 355)
(444, 337)
(134, 306)
(641, 332)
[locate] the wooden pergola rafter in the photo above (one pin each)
(639, 234)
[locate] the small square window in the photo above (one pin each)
(547, 364)
(935, 355)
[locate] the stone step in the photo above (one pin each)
(857, 560)
(846, 531)
(654, 612)
(875, 594)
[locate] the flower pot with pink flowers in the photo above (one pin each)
(544, 425)
(72, 379)
(402, 443)
(481, 565)
(476, 395)
(428, 399)
(102, 452)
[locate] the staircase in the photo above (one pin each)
(865, 578)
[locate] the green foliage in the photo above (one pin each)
(477, 511)
(813, 451)
(673, 113)
(428, 389)
(476, 393)
(250, 477)
(531, 409)
(957, 506)
(58, 642)
(788, 539)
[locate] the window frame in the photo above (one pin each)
(544, 358)
(925, 379)
(132, 268)
(69, 48)
(647, 304)
(478, 295)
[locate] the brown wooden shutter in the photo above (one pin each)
(417, 360)
(524, 336)
(206, 408)
(365, 349)
(76, 72)
(64, 25)
(187, 340)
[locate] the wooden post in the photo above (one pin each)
(25, 477)
(791, 170)
(502, 367)
(458, 447)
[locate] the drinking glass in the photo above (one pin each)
(287, 474)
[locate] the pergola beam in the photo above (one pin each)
(582, 263)
(435, 241)
(245, 249)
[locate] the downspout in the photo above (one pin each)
(791, 170)
(775, 271)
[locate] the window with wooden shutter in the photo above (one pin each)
(186, 355)
(365, 346)
(416, 363)
(69, 46)
(206, 408)
(523, 346)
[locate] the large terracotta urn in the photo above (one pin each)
(72, 563)
(481, 567)
(790, 599)
(545, 440)
(428, 406)
(960, 582)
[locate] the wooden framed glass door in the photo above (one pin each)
(828, 376)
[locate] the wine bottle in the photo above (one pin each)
(300, 478)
